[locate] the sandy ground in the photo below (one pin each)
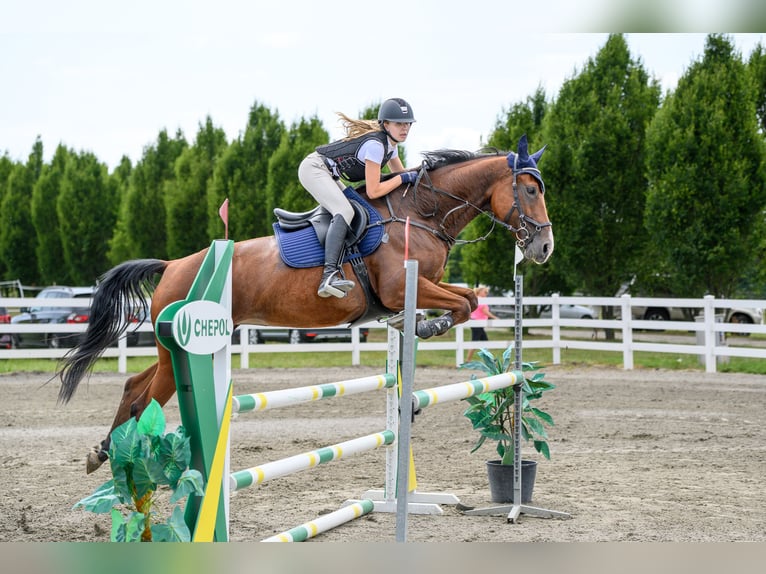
(636, 456)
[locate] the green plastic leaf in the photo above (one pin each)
(134, 527)
(542, 415)
(190, 482)
(118, 527)
(142, 476)
(536, 426)
(125, 444)
(152, 421)
(174, 456)
(121, 486)
(175, 530)
(542, 447)
(102, 500)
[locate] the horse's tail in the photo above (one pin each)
(113, 302)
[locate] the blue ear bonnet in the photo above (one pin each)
(522, 162)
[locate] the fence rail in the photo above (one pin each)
(708, 336)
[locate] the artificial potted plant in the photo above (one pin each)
(492, 414)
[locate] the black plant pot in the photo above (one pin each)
(501, 480)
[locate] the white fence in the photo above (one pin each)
(708, 337)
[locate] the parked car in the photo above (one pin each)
(569, 312)
(661, 313)
(295, 336)
(71, 315)
(40, 313)
(6, 342)
(565, 312)
(734, 315)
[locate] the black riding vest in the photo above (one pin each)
(343, 153)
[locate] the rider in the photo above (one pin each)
(360, 156)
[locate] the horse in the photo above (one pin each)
(452, 188)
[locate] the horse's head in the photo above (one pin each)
(523, 210)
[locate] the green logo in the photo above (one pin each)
(184, 329)
(202, 327)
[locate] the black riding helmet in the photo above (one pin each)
(395, 110)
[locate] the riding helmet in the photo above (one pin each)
(395, 110)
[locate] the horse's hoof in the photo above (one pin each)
(93, 461)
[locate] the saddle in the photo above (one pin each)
(300, 236)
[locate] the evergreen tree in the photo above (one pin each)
(706, 173)
(142, 231)
(186, 195)
(119, 244)
(46, 222)
(6, 167)
(241, 175)
(594, 168)
(757, 69)
(490, 262)
(17, 233)
(87, 211)
(284, 190)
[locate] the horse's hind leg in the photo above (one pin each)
(135, 386)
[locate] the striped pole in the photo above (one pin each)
(286, 397)
(458, 391)
(260, 474)
(324, 523)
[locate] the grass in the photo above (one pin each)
(444, 359)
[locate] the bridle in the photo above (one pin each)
(528, 226)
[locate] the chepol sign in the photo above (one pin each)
(202, 327)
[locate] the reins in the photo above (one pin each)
(423, 180)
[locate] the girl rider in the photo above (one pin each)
(360, 156)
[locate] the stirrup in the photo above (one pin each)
(335, 286)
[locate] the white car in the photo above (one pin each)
(569, 312)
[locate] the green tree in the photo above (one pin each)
(594, 169)
(283, 189)
(119, 244)
(241, 175)
(490, 262)
(6, 167)
(45, 219)
(87, 211)
(186, 195)
(757, 69)
(142, 231)
(707, 186)
(17, 233)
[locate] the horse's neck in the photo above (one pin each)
(468, 183)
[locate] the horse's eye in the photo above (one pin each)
(531, 190)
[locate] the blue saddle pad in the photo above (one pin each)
(301, 248)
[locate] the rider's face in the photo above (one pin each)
(398, 130)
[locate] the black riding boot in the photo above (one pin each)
(333, 282)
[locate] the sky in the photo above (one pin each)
(106, 77)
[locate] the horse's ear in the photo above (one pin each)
(522, 159)
(535, 157)
(523, 147)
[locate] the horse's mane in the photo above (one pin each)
(444, 157)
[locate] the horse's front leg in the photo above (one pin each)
(455, 301)
(465, 292)
(134, 387)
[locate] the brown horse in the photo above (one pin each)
(452, 189)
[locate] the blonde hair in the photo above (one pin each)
(476, 290)
(355, 128)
